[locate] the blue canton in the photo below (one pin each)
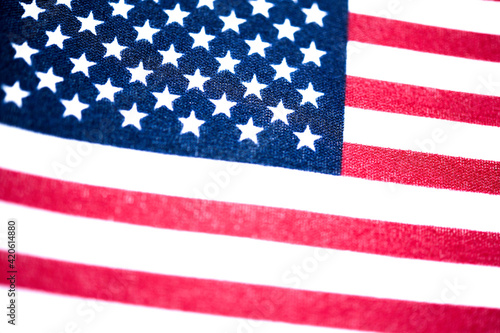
(250, 81)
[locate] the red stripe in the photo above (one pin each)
(418, 37)
(246, 300)
(421, 169)
(274, 224)
(433, 103)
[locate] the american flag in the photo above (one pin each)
(251, 166)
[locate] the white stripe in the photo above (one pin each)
(245, 260)
(42, 312)
(399, 131)
(420, 68)
(468, 15)
(127, 169)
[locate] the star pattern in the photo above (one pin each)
(280, 113)
(121, 8)
(191, 124)
(283, 70)
(201, 38)
(114, 49)
(107, 91)
(89, 23)
(196, 80)
(310, 95)
(286, 30)
(227, 63)
(176, 15)
(232, 22)
(56, 38)
(146, 32)
(132, 117)
(31, 10)
(14, 94)
(74, 107)
(254, 87)
(314, 14)
(23, 51)
(81, 65)
(253, 58)
(312, 54)
(249, 131)
(257, 46)
(223, 106)
(139, 73)
(165, 98)
(170, 56)
(307, 139)
(48, 80)
(261, 7)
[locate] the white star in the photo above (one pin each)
(56, 37)
(314, 14)
(165, 98)
(306, 138)
(208, 3)
(74, 107)
(132, 117)
(14, 94)
(196, 80)
(114, 49)
(223, 106)
(146, 32)
(261, 7)
(201, 38)
(121, 8)
(283, 70)
(176, 15)
(81, 65)
(227, 63)
(280, 113)
(139, 73)
(312, 54)
(170, 56)
(309, 95)
(191, 124)
(286, 30)
(249, 131)
(107, 90)
(253, 87)
(89, 23)
(231, 22)
(64, 2)
(31, 10)
(24, 51)
(48, 80)
(257, 46)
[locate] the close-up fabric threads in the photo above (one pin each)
(249, 166)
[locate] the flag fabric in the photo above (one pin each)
(251, 166)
